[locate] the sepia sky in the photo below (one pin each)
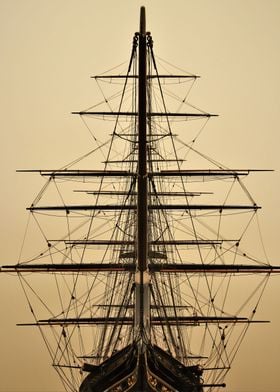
(50, 48)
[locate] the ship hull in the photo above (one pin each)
(150, 370)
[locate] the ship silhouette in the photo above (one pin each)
(143, 277)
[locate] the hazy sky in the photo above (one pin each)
(49, 48)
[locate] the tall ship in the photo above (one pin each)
(143, 280)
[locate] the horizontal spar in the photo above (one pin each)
(148, 77)
(163, 173)
(148, 160)
(113, 207)
(157, 242)
(132, 193)
(182, 320)
(213, 268)
(81, 173)
(70, 267)
(153, 268)
(152, 114)
(206, 173)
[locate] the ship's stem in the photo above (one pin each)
(142, 281)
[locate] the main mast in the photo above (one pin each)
(142, 314)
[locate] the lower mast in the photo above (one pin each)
(142, 306)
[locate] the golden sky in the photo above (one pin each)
(50, 48)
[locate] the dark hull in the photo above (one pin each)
(131, 370)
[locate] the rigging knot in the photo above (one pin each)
(135, 40)
(150, 41)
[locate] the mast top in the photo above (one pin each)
(142, 21)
